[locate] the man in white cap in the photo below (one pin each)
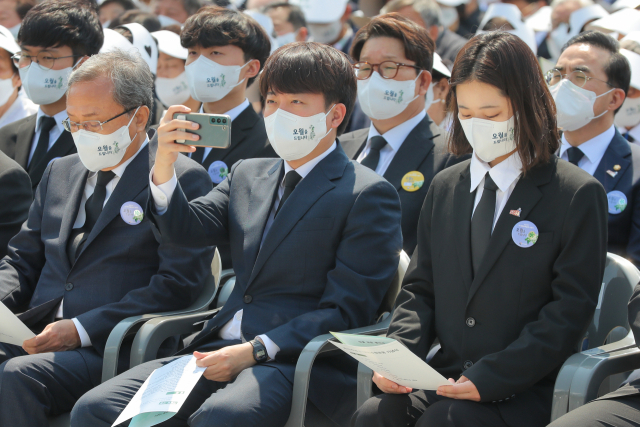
(437, 95)
(14, 103)
(328, 22)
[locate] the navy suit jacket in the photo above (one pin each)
(624, 228)
(122, 270)
(325, 264)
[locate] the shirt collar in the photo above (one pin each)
(119, 171)
(504, 174)
(58, 118)
(235, 111)
(305, 169)
(594, 148)
(396, 136)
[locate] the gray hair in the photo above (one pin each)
(132, 80)
(428, 10)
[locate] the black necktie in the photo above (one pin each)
(198, 155)
(372, 159)
(482, 222)
(46, 124)
(575, 154)
(95, 202)
(290, 181)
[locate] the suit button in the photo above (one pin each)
(471, 322)
(468, 364)
(68, 286)
(248, 299)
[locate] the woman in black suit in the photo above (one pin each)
(510, 256)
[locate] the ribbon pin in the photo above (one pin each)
(612, 173)
(516, 212)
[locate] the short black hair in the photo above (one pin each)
(135, 16)
(310, 67)
(296, 15)
(617, 69)
(126, 4)
(55, 23)
(215, 26)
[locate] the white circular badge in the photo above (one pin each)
(132, 213)
(525, 234)
(218, 171)
(617, 202)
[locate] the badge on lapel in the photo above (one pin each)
(412, 181)
(525, 234)
(132, 213)
(218, 171)
(617, 202)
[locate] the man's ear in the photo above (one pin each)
(423, 82)
(253, 68)
(142, 118)
(303, 34)
(617, 99)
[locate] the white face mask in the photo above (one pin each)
(629, 114)
(286, 38)
(385, 98)
(325, 33)
(173, 91)
(209, 81)
(574, 105)
(293, 137)
(99, 151)
(6, 90)
(449, 16)
(490, 139)
(42, 86)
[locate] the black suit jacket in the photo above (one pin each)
(121, 271)
(511, 327)
(325, 264)
(424, 151)
(16, 139)
(15, 199)
(624, 228)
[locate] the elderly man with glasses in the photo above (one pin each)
(86, 258)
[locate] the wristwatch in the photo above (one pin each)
(259, 351)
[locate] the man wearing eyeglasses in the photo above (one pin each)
(55, 37)
(87, 257)
(589, 84)
(394, 60)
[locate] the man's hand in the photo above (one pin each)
(57, 336)
(225, 364)
(388, 386)
(168, 149)
(462, 389)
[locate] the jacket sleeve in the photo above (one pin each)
(357, 284)
(177, 283)
(16, 197)
(544, 344)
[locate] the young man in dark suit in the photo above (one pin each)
(55, 37)
(15, 199)
(315, 241)
(402, 144)
(592, 61)
(87, 257)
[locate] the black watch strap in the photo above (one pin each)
(259, 351)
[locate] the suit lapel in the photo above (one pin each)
(524, 197)
(24, 138)
(134, 180)
(463, 200)
(239, 128)
(306, 194)
(75, 189)
(263, 192)
(412, 152)
(617, 153)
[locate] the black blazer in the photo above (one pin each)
(16, 139)
(424, 151)
(317, 270)
(624, 228)
(121, 271)
(511, 327)
(15, 199)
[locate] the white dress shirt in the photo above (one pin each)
(394, 137)
(162, 198)
(81, 218)
(593, 150)
(505, 174)
(233, 113)
(21, 108)
(54, 133)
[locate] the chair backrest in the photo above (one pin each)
(618, 283)
(389, 299)
(210, 286)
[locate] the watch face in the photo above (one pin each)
(260, 354)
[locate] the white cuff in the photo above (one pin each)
(162, 193)
(272, 348)
(84, 336)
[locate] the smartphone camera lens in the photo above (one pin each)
(219, 120)
(224, 121)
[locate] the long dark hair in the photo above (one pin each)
(504, 61)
